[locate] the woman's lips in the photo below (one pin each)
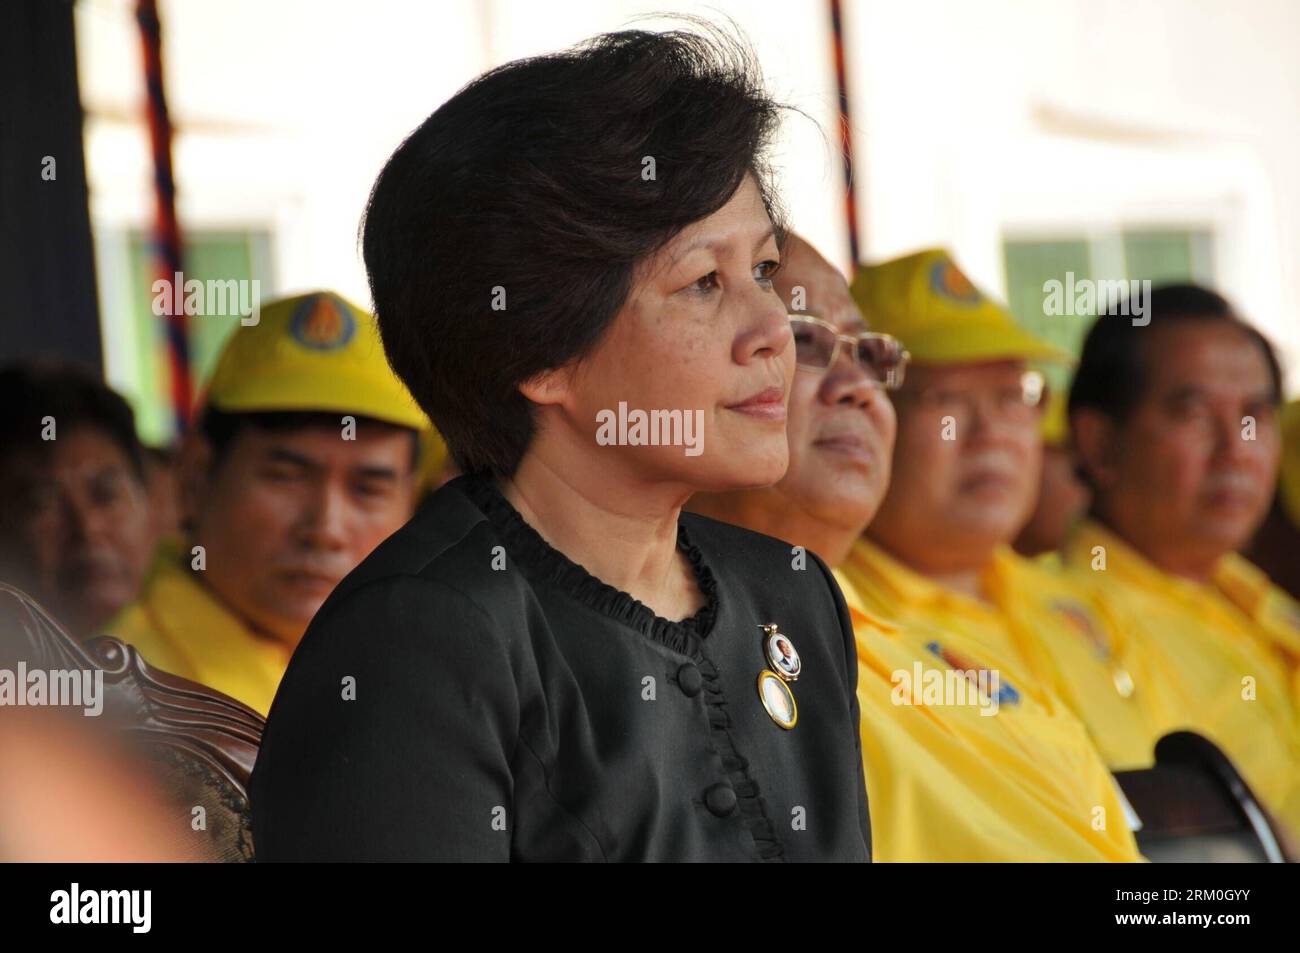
(767, 404)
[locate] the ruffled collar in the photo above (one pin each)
(546, 565)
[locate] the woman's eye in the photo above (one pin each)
(707, 283)
(765, 271)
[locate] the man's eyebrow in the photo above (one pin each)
(1183, 391)
(369, 471)
(107, 470)
(285, 455)
(1191, 389)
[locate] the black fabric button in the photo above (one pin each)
(720, 799)
(690, 680)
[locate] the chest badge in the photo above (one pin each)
(784, 666)
(1082, 622)
(782, 657)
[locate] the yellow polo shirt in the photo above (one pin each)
(1273, 613)
(947, 782)
(1213, 647)
(1046, 631)
(180, 626)
(1072, 644)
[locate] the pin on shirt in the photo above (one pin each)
(784, 666)
(1082, 621)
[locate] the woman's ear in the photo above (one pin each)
(1096, 445)
(551, 386)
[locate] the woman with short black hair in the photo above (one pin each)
(571, 263)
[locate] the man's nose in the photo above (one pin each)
(1237, 438)
(84, 519)
(849, 383)
(324, 520)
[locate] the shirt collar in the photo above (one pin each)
(1234, 579)
(903, 584)
(1273, 611)
(1244, 583)
(1122, 559)
(846, 575)
(197, 623)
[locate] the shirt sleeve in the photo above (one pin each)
(850, 643)
(392, 733)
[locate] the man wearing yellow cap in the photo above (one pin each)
(304, 458)
(1176, 425)
(937, 558)
(983, 778)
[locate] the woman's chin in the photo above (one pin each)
(743, 469)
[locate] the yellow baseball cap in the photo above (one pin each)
(927, 303)
(1289, 477)
(316, 351)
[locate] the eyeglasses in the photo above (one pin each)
(1022, 401)
(817, 345)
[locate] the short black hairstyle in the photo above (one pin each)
(1112, 373)
(530, 179)
(221, 427)
(75, 396)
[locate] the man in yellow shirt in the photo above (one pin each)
(1002, 772)
(304, 458)
(937, 557)
(1175, 424)
(76, 529)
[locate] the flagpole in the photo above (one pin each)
(166, 231)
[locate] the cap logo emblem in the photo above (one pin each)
(948, 282)
(319, 323)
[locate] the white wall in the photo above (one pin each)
(992, 118)
(975, 119)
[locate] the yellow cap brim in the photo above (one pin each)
(302, 392)
(970, 343)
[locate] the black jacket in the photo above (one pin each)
(442, 709)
